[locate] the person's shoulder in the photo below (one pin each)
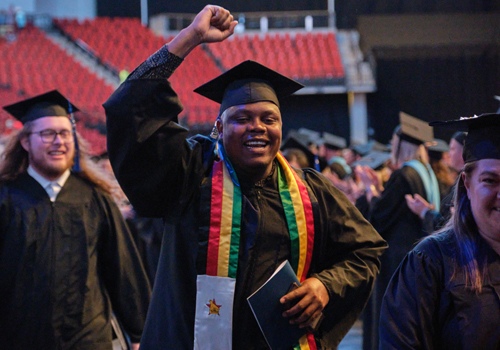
(400, 175)
(407, 171)
(437, 246)
(19, 182)
(316, 179)
(84, 187)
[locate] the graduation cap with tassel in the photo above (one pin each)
(246, 83)
(50, 104)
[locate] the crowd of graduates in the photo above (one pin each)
(404, 187)
(74, 252)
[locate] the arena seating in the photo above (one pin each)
(303, 56)
(121, 42)
(33, 64)
(124, 43)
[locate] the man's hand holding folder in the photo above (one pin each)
(304, 304)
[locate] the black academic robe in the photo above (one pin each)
(402, 229)
(64, 266)
(424, 308)
(163, 174)
(434, 220)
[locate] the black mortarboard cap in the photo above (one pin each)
(50, 104)
(459, 136)
(483, 138)
(371, 145)
(246, 83)
(333, 141)
(301, 141)
(374, 160)
(414, 130)
(436, 148)
(314, 136)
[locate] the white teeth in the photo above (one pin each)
(255, 144)
(56, 153)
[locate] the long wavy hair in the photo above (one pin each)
(443, 173)
(471, 257)
(15, 160)
(404, 151)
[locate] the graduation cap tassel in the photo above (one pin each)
(76, 164)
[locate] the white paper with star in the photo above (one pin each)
(214, 313)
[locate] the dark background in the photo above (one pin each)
(347, 10)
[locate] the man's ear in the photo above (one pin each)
(25, 142)
(218, 124)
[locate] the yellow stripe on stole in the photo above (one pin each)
(226, 225)
(303, 342)
(300, 215)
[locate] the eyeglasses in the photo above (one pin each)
(49, 135)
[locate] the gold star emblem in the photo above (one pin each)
(214, 308)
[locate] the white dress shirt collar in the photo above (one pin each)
(51, 187)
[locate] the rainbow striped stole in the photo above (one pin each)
(222, 250)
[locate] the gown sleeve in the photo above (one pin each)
(389, 207)
(410, 308)
(149, 150)
(123, 273)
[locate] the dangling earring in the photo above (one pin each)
(214, 134)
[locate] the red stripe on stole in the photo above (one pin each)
(311, 341)
(215, 219)
(308, 212)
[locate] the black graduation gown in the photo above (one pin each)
(424, 308)
(162, 172)
(61, 264)
(402, 229)
(434, 220)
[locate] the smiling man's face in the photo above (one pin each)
(251, 135)
(52, 159)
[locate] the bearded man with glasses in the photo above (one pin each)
(67, 258)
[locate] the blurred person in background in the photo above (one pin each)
(439, 160)
(389, 213)
(444, 295)
(432, 218)
(295, 149)
(67, 258)
(456, 160)
(330, 146)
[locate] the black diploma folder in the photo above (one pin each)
(267, 309)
